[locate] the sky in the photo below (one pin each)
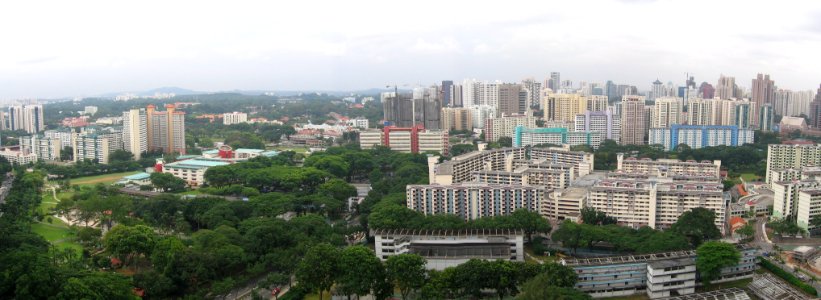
(81, 48)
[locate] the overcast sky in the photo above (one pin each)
(84, 48)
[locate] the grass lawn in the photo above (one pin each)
(295, 149)
(47, 202)
(105, 179)
(58, 234)
(750, 177)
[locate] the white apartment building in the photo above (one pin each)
(597, 103)
(700, 136)
(666, 112)
(481, 114)
(809, 207)
(786, 196)
(16, 157)
(361, 123)
(96, 146)
(662, 167)
(90, 110)
(234, 118)
(471, 201)
(637, 203)
(604, 122)
(557, 136)
(784, 156)
(505, 126)
(63, 136)
(134, 132)
(26, 117)
(45, 148)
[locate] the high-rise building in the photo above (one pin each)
(98, 145)
(555, 81)
(766, 117)
(596, 103)
(763, 90)
(457, 118)
(456, 96)
(511, 99)
(46, 148)
(523, 137)
(26, 117)
(706, 91)
(563, 107)
(605, 122)
(409, 140)
(471, 201)
(633, 120)
(135, 137)
(815, 111)
(423, 107)
(506, 125)
(726, 87)
(481, 113)
(533, 89)
(704, 112)
(791, 156)
(656, 91)
(234, 118)
(700, 136)
(666, 112)
(447, 93)
(165, 129)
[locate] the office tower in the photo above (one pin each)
(765, 117)
(612, 91)
(656, 91)
(633, 120)
(563, 107)
(815, 111)
(605, 122)
(666, 112)
(506, 125)
(135, 139)
(26, 117)
(234, 118)
(596, 103)
(726, 87)
(510, 101)
(697, 136)
(165, 129)
(533, 89)
(555, 81)
(447, 93)
(457, 118)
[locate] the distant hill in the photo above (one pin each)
(182, 91)
(163, 90)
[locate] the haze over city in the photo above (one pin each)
(69, 49)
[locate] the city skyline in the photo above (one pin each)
(78, 50)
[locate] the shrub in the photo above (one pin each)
(788, 277)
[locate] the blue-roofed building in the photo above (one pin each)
(700, 136)
(138, 179)
(193, 170)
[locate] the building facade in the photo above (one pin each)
(633, 121)
(408, 140)
(234, 118)
(505, 126)
(135, 137)
(45, 148)
(165, 129)
(700, 136)
(449, 248)
(471, 201)
(26, 117)
(604, 122)
(556, 136)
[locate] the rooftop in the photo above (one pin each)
(196, 164)
(627, 258)
(726, 294)
(138, 176)
(451, 232)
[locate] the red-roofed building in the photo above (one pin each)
(736, 223)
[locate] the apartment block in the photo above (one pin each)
(564, 107)
(809, 207)
(557, 136)
(17, 157)
(96, 146)
(666, 112)
(409, 140)
(662, 167)
(785, 156)
(165, 129)
(45, 148)
(457, 118)
(604, 122)
(786, 196)
(471, 201)
(634, 120)
(700, 136)
(26, 117)
(135, 128)
(234, 118)
(505, 126)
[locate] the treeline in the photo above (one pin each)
(357, 271)
(254, 136)
(691, 230)
(201, 247)
(119, 161)
(33, 268)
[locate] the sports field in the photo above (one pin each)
(104, 179)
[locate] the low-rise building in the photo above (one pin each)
(44, 147)
(409, 140)
(471, 201)
(447, 248)
(234, 118)
(17, 157)
(192, 170)
(557, 136)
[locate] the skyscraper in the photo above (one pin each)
(815, 110)
(725, 88)
(555, 82)
(165, 129)
(26, 117)
(134, 132)
(765, 117)
(706, 91)
(634, 120)
(447, 93)
(563, 107)
(763, 92)
(533, 89)
(657, 90)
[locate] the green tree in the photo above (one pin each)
(460, 149)
(747, 231)
(505, 141)
(594, 217)
(713, 256)
(317, 270)
(698, 225)
(569, 234)
(531, 222)
(360, 271)
(338, 189)
(541, 288)
(167, 182)
(67, 153)
(407, 272)
(126, 242)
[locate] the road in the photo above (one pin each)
(761, 239)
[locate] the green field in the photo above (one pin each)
(57, 233)
(750, 177)
(104, 179)
(295, 149)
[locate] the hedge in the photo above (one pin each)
(788, 277)
(295, 293)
